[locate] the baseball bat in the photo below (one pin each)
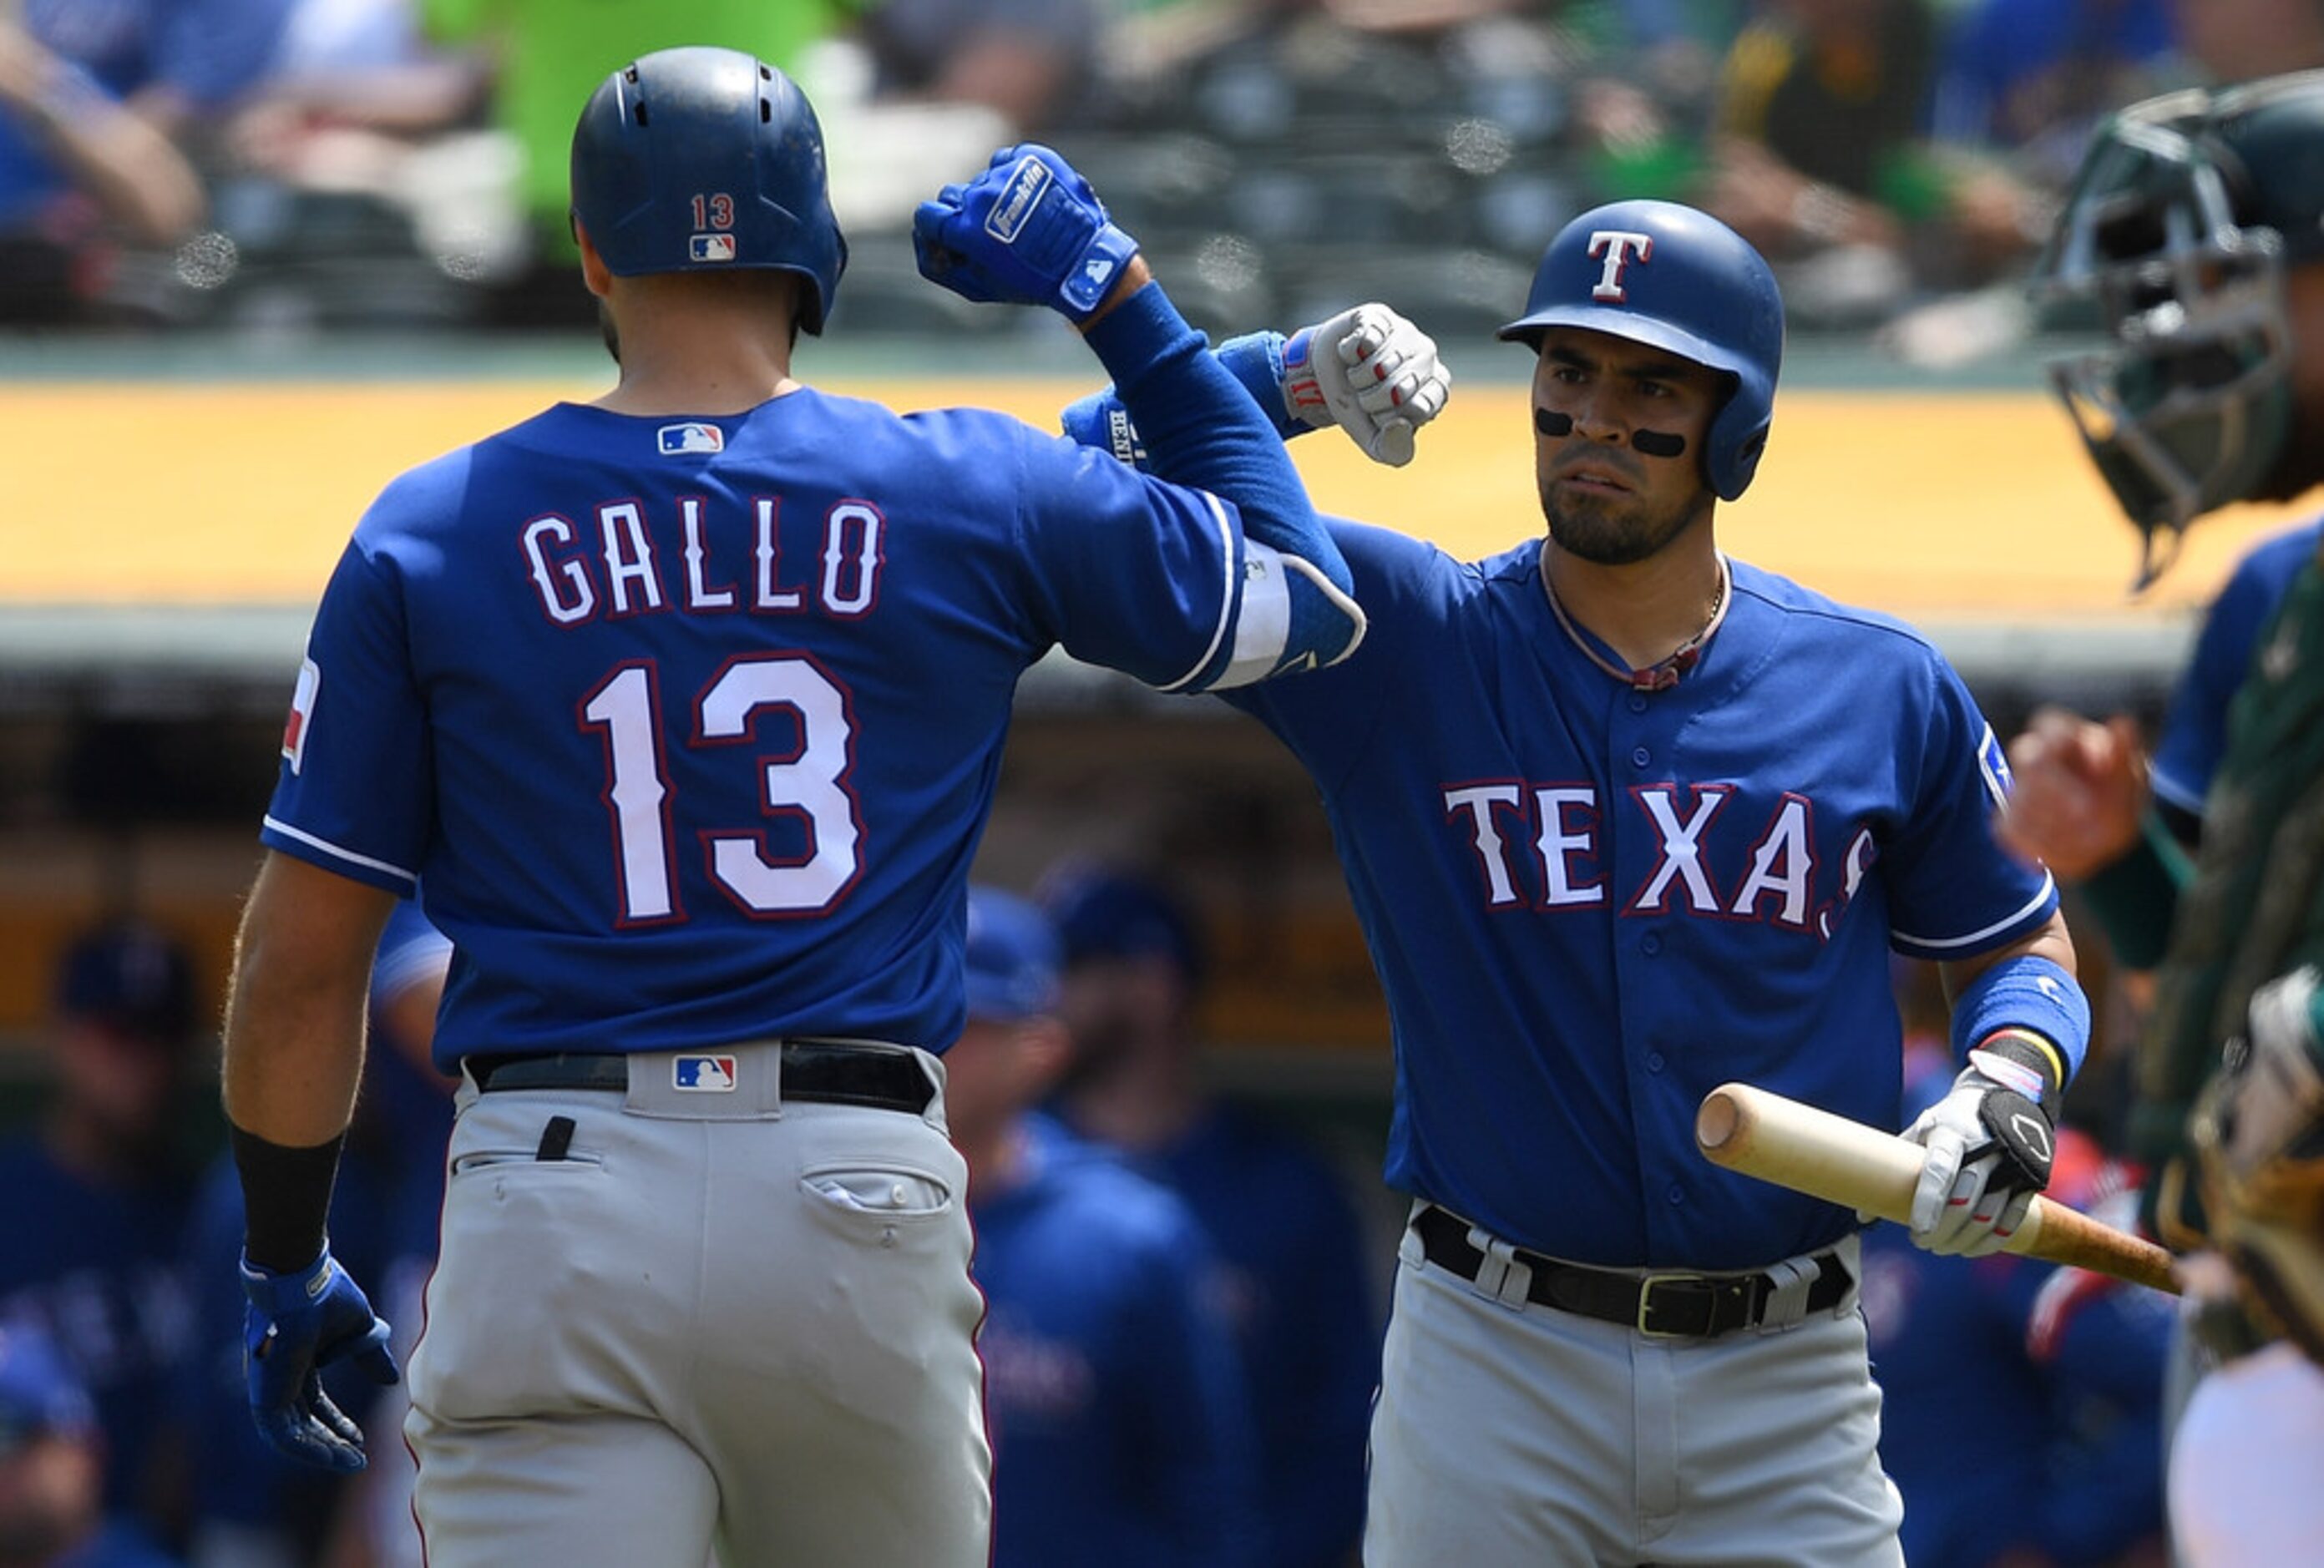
(1778, 1139)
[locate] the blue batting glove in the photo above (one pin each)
(296, 1324)
(1028, 231)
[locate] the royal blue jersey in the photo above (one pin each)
(1303, 1310)
(1121, 1433)
(691, 725)
(1590, 905)
(2195, 730)
(97, 1267)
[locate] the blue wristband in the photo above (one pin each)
(2031, 994)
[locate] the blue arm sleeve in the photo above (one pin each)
(1200, 426)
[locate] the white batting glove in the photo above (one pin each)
(1369, 372)
(1990, 1142)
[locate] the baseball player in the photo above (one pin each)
(99, 1194)
(684, 709)
(2196, 229)
(1301, 1296)
(1625, 818)
(1121, 1433)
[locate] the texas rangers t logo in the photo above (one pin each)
(1619, 247)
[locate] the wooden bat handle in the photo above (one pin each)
(1775, 1139)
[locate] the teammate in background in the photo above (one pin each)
(2060, 1371)
(684, 708)
(252, 1506)
(1301, 1303)
(98, 1197)
(2194, 229)
(1618, 833)
(53, 1468)
(1119, 1430)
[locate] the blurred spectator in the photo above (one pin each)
(1823, 159)
(98, 1196)
(2241, 40)
(1119, 1433)
(252, 1506)
(547, 55)
(2058, 1372)
(76, 170)
(1303, 1300)
(360, 105)
(51, 1468)
(2034, 77)
(1033, 63)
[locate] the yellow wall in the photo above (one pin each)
(1935, 507)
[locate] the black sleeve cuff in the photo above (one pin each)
(286, 1196)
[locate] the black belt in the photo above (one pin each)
(1667, 1305)
(830, 1072)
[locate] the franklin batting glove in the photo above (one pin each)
(296, 1324)
(1028, 231)
(1991, 1140)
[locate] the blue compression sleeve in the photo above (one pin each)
(1174, 390)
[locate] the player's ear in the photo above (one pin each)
(595, 273)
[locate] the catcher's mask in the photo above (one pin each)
(2185, 214)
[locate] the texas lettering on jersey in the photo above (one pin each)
(1542, 846)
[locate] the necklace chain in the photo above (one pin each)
(1665, 672)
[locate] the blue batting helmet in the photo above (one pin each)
(706, 160)
(1660, 274)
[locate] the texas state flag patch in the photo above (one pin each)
(704, 1075)
(683, 441)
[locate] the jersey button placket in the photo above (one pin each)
(1640, 756)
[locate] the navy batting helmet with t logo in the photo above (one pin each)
(1660, 274)
(706, 160)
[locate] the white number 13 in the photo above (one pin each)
(811, 785)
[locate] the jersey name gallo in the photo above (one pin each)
(619, 560)
(1547, 847)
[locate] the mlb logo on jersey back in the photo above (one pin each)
(678, 440)
(704, 1075)
(711, 248)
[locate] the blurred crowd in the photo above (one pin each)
(288, 163)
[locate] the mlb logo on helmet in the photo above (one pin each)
(711, 248)
(1027, 183)
(677, 440)
(704, 1075)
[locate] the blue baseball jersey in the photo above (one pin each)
(691, 725)
(97, 1266)
(2195, 730)
(1589, 904)
(1303, 1308)
(1119, 1428)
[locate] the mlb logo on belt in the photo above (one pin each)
(677, 440)
(704, 1075)
(711, 248)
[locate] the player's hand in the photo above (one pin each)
(1028, 231)
(297, 1325)
(1369, 372)
(2077, 790)
(1990, 1141)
